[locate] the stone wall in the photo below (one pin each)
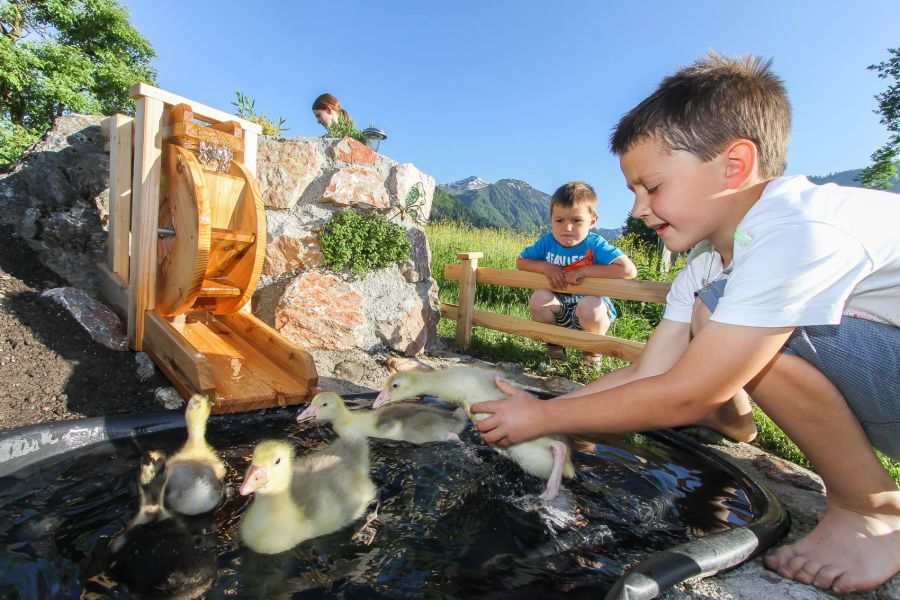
(56, 200)
(304, 181)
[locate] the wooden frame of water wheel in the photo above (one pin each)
(195, 253)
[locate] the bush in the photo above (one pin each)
(247, 110)
(362, 242)
(13, 140)
(341, 128)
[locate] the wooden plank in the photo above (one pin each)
(573, 338)
(190, 134)
(172, 351)
(219, 288)
(275, 346)
(201, 111)
(229, 127)
(232, 235)
(467, 280)
(249, 157)
(144, 215)
(627, 289)
(113, 291)
(120, 181)
(245, 378)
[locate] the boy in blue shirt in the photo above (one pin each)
(791, 291)
(571, 252)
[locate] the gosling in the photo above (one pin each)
(299, 498)
(408, 422)
(545, 457)
(196, 475)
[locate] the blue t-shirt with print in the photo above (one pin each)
(594, 250)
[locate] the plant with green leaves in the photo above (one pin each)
(883, 170)
(247, 110)
(63, 56)
(341, 128)
(362, 242)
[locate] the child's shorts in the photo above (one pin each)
(861, 358)
(566, 316)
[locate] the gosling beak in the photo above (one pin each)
(382, 398)
(310, 413)
(253, 480)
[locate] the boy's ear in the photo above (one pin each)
(593, 220)
(741, 161)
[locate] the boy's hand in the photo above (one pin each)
(574, 276)
(517, 418)
(555, 276)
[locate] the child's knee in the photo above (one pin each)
(592, 310)
(542, 299)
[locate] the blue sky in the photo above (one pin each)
(521, 89)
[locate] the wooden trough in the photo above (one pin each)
(187, 239)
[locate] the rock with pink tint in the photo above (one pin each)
(359, 188)
(351, 151)
(320, 310)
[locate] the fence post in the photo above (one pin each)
(469, 262)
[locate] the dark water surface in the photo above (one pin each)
(454, 520)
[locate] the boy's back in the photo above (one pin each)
(802, 254)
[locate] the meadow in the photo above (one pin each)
(636, 320)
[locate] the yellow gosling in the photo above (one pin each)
(545, 457)
(406, 421)
(196, 475)
(298, 498)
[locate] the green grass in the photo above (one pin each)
(636, 319)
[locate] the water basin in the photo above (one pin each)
(454, 520)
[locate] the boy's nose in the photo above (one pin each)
(641, 207)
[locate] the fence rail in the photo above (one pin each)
(469, 274)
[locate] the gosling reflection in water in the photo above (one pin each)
(156, 555)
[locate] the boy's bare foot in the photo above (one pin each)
(734, 418)
(848, 551)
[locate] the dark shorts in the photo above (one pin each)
(861, 358)
(566, 316)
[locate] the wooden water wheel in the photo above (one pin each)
(212, 234)
(187, 246)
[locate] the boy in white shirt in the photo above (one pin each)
(792, 292)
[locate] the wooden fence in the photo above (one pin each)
(469, 274)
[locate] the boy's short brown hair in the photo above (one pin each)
(574, 193)
(703, 107)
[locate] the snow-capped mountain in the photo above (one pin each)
(464, 185)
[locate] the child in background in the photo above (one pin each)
(328, 110)
(571, 252)
(792, 291)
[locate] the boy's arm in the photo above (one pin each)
(620, 268)
(555, 275)
(716, 363)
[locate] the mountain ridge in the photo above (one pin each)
(514, 204)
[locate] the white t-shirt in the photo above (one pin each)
(804, 254)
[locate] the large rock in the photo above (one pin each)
(359, 188)
(418, 267)
(350, 151)
(402, 179)
(292, 245)
(321, 310)
(57, 198)
(285, 169)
